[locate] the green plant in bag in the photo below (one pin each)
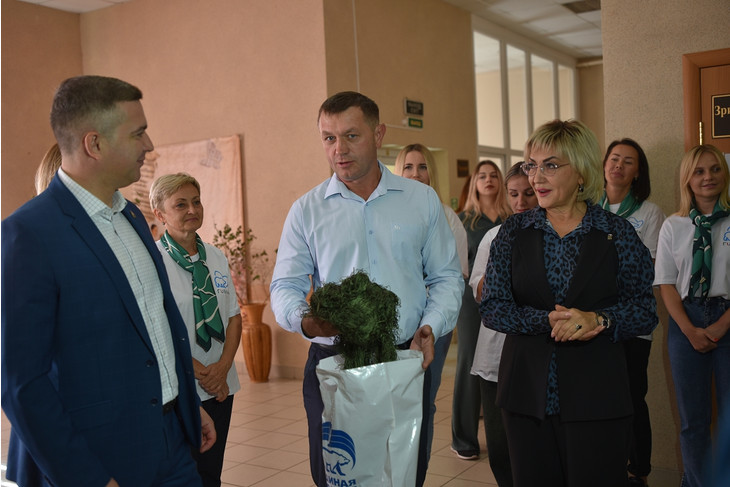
(365, 313)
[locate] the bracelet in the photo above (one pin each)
(604, 320)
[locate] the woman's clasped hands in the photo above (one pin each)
(570, 324)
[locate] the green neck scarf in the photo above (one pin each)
(699, 283)
(208, 321)
(628, 206)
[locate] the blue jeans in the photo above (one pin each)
(692, 373)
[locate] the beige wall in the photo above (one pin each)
(590, 98)
(40, 47)
(415, 49)
(643, 75)
(225, 69)
(643, 43)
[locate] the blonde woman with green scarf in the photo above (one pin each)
(693, 275)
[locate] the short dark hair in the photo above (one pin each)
(641, 187)
(88, 102)
(343, 100)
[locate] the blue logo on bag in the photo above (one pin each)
(341, 449)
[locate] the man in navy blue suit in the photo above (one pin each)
(97, 375)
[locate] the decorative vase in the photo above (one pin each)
(256, 342)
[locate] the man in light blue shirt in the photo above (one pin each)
(365, 218)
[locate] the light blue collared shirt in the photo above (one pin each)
(138, 266)
(399, 237)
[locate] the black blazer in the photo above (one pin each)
(592, 376)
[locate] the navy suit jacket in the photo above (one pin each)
(80, 381)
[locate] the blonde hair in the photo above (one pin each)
(574, 142)
(47, 169)
(687, 167)
(400, 161)
(167, 185)
(472, 209)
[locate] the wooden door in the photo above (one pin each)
(707, 98)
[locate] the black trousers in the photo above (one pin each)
(497, 447)
(552, 453)
(210, 463)
(637, 361)
(314, 407)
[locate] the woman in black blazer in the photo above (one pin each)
(567, 282)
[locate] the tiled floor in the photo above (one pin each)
(267, 443)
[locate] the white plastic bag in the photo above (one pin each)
(371, 422)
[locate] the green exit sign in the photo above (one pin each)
(415, 122)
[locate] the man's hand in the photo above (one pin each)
(423, 340)
(208, 431)
(317, 327)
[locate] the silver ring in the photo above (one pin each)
(578, 327)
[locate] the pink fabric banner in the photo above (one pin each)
(215, 163)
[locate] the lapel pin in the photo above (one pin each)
(609, 236)
(131, 212)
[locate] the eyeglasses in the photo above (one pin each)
(547, 169)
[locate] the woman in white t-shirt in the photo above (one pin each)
(693, 275)
(626, 172)
(201, 283)
(415, 161)
(488, 351)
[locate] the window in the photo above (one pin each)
(543, 91)
(517, 90)
(519, 86)
(489, 91)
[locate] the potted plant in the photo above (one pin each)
(247, 267)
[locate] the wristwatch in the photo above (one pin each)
(603, 320)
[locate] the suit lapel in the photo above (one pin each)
(87, 231)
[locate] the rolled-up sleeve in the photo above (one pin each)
(290, 282)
